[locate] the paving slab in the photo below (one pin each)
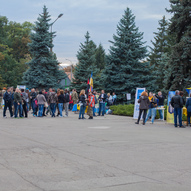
(109, 153)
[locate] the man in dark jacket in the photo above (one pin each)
(66, 102)
(8, 102)
(188, 106)
(52, 100)
(177, 104)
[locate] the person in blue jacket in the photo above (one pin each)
(188, 106)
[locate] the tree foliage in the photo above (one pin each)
(179, 76)
(43, 69)
(124, 71)
(14, 52)
(86, 65)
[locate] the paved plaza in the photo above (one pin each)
(108, 153)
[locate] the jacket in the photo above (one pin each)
(91, 100)
(188, 104)
(17, 97)
(153, 103)
(41, 99)
(82, 99)
(74, 97)
(144, 102)
(103, 100)
(33, 95)
(160, 100)
(66, 98)
(52, 98)
(61, 98)
(177, 101)
(7, 97)
(24, 96)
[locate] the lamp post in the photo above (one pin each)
(71, 68)
(60, 15)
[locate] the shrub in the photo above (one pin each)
(125, 110)
(128, 110)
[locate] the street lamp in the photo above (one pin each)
(71, 68)
(60, 15)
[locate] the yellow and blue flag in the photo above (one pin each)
(188, 91)
(91, 82)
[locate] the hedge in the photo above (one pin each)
(128, 110)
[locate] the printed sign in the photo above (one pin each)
(170, 109)
(128, 96)
(21, 87)
(136, 106)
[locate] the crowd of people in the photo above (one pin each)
(149, 103)
(19, 102)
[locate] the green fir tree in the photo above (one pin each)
(100, 57)
(124, 71)
(86, 65)
(43, 69)
(179, 75)
(161, 48)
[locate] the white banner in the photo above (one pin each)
(21, 87)
(136, 106)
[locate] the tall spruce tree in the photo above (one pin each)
(179, 76)
(124, 71)
(86, 65)
(160, 49)
(43, 69)
(160, 43)
(100, 57)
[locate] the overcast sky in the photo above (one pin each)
(99, 17)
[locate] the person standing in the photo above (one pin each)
(58, 93)
(114, 98)
(152, 108)
(48, 109)
(74, 97)
(41, 101)
(24, 97)
(160, 98)
(109, 99)
(144, 106)
(96, 102)
(27, 92)
(71, 102)
(52, 100)
(102, 100)
(181, 93)
(61, 102)
(82, 102)
(177, 104)
(91, 104)
(66, 102)
(8, 102)
(18, 103)
(45, 104)
(188, 106)
(32, 97)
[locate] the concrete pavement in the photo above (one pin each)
(108, 153)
